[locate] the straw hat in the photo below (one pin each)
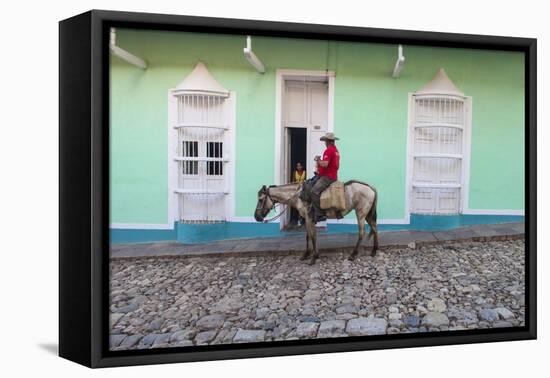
(328, 136)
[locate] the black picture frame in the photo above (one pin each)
(84, 187)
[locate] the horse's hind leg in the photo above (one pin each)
(375, 244)
(374, 233)
(361, 224)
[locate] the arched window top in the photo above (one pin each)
(440, 85)
(201, 82)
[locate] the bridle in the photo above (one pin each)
(262, 206)
(266, 192)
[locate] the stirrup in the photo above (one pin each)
(321, 218)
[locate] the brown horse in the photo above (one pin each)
(359, 196)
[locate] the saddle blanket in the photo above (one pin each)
(334, 197)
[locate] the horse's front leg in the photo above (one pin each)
(313, 236)
(304, 213)
(305, 255)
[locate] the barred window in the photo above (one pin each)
(438, 129)
(202, 115)
(190, 149)
(214, 150)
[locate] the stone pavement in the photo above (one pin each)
(295, 243)
(158, 302)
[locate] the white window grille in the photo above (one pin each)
(202, 122)
(190, 149)
(438, 125)
(214, 150)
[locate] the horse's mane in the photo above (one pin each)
(282, 185)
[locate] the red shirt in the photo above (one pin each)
(331, 155)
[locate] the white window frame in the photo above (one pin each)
(229, 166)
(466, 155)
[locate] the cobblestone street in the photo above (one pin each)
(183, 301)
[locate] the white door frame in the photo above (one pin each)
(281, 75)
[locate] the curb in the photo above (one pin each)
(292, 252)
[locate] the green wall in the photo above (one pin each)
(370, 115)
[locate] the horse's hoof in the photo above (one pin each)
(352, 257)
(373, 253)
(303, 257)
(312, 261)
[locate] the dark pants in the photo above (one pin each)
(320, 184)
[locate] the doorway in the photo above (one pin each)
(297, 139)
(304, 114)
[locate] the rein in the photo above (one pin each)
(275, 217)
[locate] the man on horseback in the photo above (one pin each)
(327, 173)
(359, 196)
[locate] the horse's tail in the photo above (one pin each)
(372, 214)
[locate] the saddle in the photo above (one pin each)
(333, 197)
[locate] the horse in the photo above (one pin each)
(359, 196)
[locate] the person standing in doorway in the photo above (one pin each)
(327, 168)
(299, 175)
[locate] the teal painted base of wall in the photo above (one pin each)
(141, 236)
(433, 223)
(442, 223)
(200, 233)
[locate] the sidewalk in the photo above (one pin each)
(294, 243)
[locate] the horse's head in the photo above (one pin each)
(264, 205)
